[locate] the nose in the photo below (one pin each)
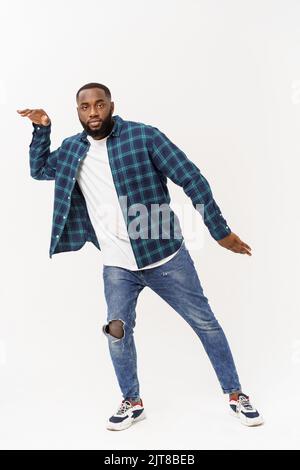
(93, 112)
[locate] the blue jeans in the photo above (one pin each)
(177, 282)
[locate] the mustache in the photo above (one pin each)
(95, 120)
(105, 125)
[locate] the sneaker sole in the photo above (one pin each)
(245, 421)
(126, 425)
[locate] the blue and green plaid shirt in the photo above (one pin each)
(141, 158)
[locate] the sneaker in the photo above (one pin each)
(241, 408)
(129, 412)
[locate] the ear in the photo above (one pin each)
(112, 107)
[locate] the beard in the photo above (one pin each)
(104, 129)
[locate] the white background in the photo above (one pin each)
(222, 80)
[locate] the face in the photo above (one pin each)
(95, 112)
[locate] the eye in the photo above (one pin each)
(100, 105)
(84, 108)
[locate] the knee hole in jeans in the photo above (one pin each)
(115, 328)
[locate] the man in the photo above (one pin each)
(123, 166)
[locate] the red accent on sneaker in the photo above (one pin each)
(136, 402)
(234, 396)
(139, 402)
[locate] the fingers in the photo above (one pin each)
(241, 248)
(246, 249)
(26, 112)
(246, 246)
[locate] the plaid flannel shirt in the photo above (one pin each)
(141, 158)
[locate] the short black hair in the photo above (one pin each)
(94, 85)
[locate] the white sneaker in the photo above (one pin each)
(129, 412)
(242, 409)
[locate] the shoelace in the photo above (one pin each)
(245, 402)
(125, 405)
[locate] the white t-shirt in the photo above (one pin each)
(96, 183)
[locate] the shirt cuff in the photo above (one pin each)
(219, 232)
(39, 128)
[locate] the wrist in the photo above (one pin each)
(36, 126)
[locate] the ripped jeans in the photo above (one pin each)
(177, 282)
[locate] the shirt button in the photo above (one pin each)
(68, 197)
(64, 216)
(57, 236)
(73, 179)
(79, 159)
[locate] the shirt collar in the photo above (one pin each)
(118, 121)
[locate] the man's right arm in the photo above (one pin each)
(42, 162)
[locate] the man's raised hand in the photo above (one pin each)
(37, 116)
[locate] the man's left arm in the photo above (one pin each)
(174, 164)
